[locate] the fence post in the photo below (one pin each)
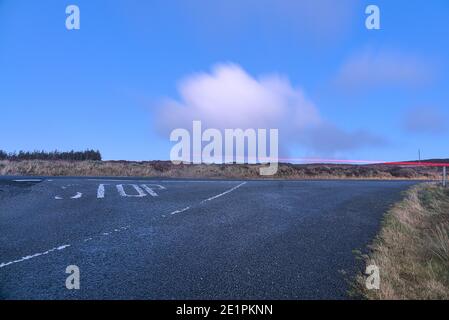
(444, 176)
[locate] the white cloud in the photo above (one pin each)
(228, 97)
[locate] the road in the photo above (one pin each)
(186, 239)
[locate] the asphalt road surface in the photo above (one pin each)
(186, 239)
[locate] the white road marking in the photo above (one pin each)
(161, 181)
(100, 191)
(122, 192)
(199, 181)
(149, 188)
(4, 264)
(179, 211)
(150, 191)
(120, 180)
(34, 255)
(223, 193)
(28, 180)
(77, 196)
(209, 199)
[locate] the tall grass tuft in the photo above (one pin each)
(412, 248)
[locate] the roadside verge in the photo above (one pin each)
(411, 251)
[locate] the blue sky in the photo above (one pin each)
(379, 94)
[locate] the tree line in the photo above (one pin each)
(52, 155)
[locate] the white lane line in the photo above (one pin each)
(209, 199)
(179, 211)
(34, 256)
(28, 180)
(223, 193)
(120, 229)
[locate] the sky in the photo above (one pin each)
(135, 70)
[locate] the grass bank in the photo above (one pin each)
(412, 248)
(216, 171)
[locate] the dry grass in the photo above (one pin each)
(412, 249)
(241, 171)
